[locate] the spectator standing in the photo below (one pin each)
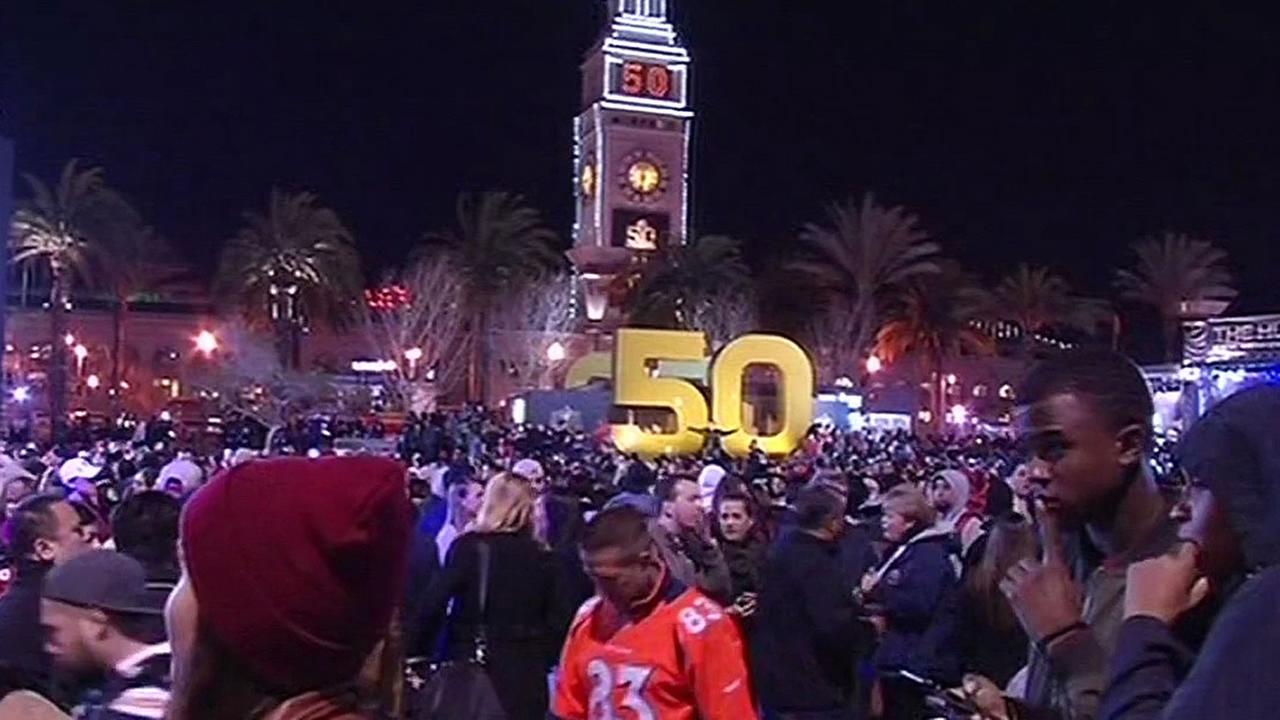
(292, 570)
(647, 646)
(744, 546)
(683, 533)
(1086, 418)
(463, 497)
(1230, 524)
(524, 619)
(949, 494)
(145, 527)
(13, 491)
(95, 613)
(912, 598)
(43, 532)
(992, 642)
(806, 625)
(635, 483)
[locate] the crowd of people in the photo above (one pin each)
(1074, 569)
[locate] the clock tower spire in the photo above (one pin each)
(631, 144)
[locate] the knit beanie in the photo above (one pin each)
(297, 564)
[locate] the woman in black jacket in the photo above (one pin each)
(525, 616)
(743, 543)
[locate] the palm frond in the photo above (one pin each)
(866, 249)
(295, 243)
(1174, 269)
(499, 242)
(934, 318)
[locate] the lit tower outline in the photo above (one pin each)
(631, 147)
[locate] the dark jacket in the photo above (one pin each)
(858, 551)
(525, 620)
(23, 662)
(746, 561)
(424, 565)
(805, 627)
(1235, 451)
(995, 648)
(694, 562)
(917, 594)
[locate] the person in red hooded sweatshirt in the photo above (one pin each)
(291, 570)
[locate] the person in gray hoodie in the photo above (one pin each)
(1230, 527)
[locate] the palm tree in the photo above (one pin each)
(686, 274)
(1174, 270)
(498, 245)
(294, 264)
(864, 251)
(934, 318)
(1038, 300)
(63, 229)
(138, 264)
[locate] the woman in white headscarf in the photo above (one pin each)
(949, 494)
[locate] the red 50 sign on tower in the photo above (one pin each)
(637, 385)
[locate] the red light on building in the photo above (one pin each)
(388, 297)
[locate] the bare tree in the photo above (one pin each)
(724, 315)
(248, 378)
(527, 323)
(427, 335)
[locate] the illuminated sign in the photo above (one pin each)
(640, 230)
(373, 366)
(1232, 340)
(648, 80)
(636, 387)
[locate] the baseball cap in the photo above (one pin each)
(102, 579)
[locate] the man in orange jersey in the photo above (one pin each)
(646, 647)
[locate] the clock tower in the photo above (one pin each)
(631, 146)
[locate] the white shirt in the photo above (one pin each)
(444, 540)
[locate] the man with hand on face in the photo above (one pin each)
(97, 614)
(683, 534)
(1086, 421)
(1230, 515)
(647, 646)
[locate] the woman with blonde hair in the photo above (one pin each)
(507, 506)
(524, 616)
(912, 597)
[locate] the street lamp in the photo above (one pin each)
(206, 342)
(556, 352)
(413, 355)
(81, 353)
(69, 339)
(874, 365)
(93, 381)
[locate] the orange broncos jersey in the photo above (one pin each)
(684, 661)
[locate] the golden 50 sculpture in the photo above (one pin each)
(636, 351)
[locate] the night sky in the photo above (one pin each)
(1016, 130)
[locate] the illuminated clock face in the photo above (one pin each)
(588, 180)
(642, 177)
